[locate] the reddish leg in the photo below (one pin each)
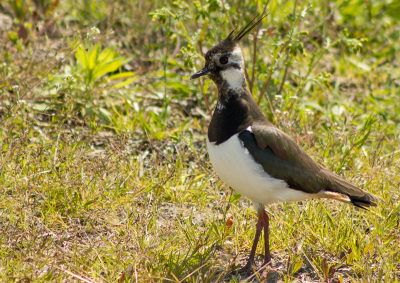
(262, 223)
(267, 256)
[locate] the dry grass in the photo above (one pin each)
(100, 183)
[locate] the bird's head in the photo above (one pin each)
(224, 62)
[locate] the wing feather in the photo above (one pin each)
(282, 158)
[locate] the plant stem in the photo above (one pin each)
(255, 33)
(166, 100)
(266, 82)
(227, 15)
(182, 26)
(284, 74)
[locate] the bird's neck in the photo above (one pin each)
(236, 108)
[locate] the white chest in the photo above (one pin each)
(237, 168)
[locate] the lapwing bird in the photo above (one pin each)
(253, 156)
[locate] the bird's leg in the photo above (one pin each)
(259, 227)
(267, 257)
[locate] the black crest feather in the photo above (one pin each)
(246, 29)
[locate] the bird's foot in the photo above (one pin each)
(248, 268)
(267, 260)
(251, 267)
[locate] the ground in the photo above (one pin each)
(104, 173)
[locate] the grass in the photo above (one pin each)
(104, 173)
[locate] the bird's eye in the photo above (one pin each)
(223, 60)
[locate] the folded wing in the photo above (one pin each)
(282, 158)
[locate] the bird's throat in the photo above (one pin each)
(233, 78)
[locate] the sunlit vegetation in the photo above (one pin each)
(104, 174)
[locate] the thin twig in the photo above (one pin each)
(255, 34)
(266, 82)
(182, 26)
(81, 278)
(270, 106)
(390, 154)
(205, 97)
(284, 74)
(199, 42)
(193, 272)
(227, 15)
(264, 87)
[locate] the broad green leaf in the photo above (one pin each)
(362, 140)
(179, 86)
(107, 55)
(367, 128)
(235, 197)
(159, 135)
(315, 106)
(206, 84)
(105, 114)
(91, 57)
(40, 106)
(121, 75)
(173, 62)
(360, 65)
(350, 258)
(297, 266)
(125, 82)
(12, 36)
(108, 67)
(81, 58)
(368, 247)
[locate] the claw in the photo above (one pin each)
(248, 268)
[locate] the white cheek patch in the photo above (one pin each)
(237, 52)
(233, 77)
(237, 57)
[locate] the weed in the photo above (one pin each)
(104, 174)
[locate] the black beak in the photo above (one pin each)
(200, 73)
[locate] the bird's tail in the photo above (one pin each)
(350, 193)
